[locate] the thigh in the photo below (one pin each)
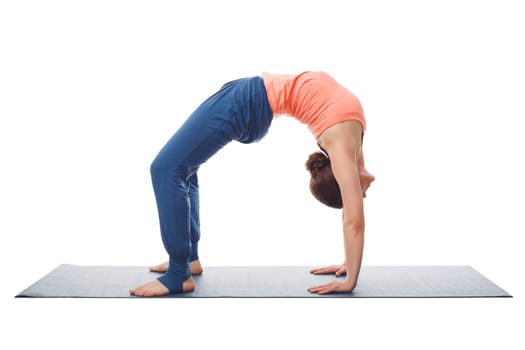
(199, 138)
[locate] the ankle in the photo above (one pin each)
(188, 285)
(195, 267)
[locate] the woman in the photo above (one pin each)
(243, 110)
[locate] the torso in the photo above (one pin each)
(315, 99)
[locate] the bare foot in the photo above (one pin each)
(160, 268)
(157, 289)
(195, 267)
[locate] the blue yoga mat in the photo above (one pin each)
(71, 281)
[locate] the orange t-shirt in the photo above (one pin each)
(314, 98)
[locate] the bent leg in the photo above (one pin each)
(175, 185)
(225, 116)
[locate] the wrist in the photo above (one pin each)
(350, 284)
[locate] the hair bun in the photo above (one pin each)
(316, 162)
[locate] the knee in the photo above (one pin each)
(160, 169)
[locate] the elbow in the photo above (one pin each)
(354, 226)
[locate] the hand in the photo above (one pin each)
(333, 287)
(339, 270)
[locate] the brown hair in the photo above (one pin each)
(323, 184)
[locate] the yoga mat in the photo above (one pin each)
(70, 281)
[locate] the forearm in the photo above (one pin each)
(353, 243)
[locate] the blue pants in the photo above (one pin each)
(238, 111)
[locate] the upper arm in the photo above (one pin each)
(344, 160)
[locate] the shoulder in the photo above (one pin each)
(343, 137)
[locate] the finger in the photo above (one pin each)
(325, 288)
(325, 270)
(330, 267)
(317, 269)
(316, 289)
(325, 291)
(340, 272)
(331, 288)
(322, 289)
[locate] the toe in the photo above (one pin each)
(139, 291)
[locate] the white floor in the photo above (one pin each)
(263, 324)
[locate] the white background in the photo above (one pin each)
(90, 91)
